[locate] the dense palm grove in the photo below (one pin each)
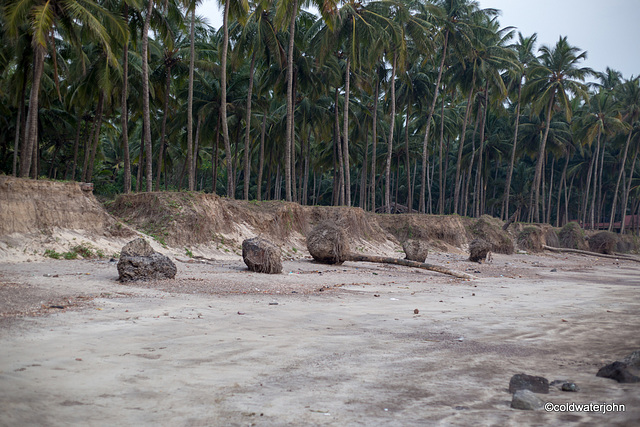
(393, 106)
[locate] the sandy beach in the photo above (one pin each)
(356, 344)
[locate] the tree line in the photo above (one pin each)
(429, 106)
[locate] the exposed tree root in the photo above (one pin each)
(408, 263)
(577, 251)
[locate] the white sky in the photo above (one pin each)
(609, 30)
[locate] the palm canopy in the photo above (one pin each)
(70, 17)
(558, 77)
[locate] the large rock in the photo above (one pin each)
(137, 247)
(527, 400)
(138, 261)
(262, 256)
(528, 382)
(415, 250)
(626, 370)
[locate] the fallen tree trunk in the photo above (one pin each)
(327, 243)
(578, 251)
(407, 263)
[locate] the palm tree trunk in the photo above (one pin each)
(305, 173)
(600, 201)
(507, 186)
(223, 102)
(96, 137)
(31, 131)
(124, 113)
(595, 186)
(196, 149)
(563, 180)
(290, 101)
(19, 120)
(477, 196)
(146, 113)
(541, 155)
(87, 150)
(408, 160)
(345, 132)
(548, 219)
(615, 193)
(35, 164)
(456, 197)
(373, 147)
(75, 147)
(140, 163)
(54, 56)
(387, 192)
(587, 189)
(167, 87)
(261, 164)
(247, 134)
(192, 54)
(423, 180)
(341, 193)
(628, 191)
(467, 183)
(363, 177)
(440, 176)
(214, 157)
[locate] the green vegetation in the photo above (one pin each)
(430, 105)
(52, 254)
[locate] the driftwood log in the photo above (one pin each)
(408, 263)
(578, 251)
(327, 243)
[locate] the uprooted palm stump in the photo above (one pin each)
(327, 243)
(262, 256)
(478, 250)
(415, 250)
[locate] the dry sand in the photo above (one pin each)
(342, 346)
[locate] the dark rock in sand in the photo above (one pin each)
(138, 261)
(528, 382)
(570, 387)
(137, 247)
(527, 400)
(619, 371)
(262, 256)
(478, 250)
(415, 250)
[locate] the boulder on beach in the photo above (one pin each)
(139, 261)
(528, 382)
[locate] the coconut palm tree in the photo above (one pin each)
(526, 56)
(628, 94)
(551, 82)
(43, 18)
